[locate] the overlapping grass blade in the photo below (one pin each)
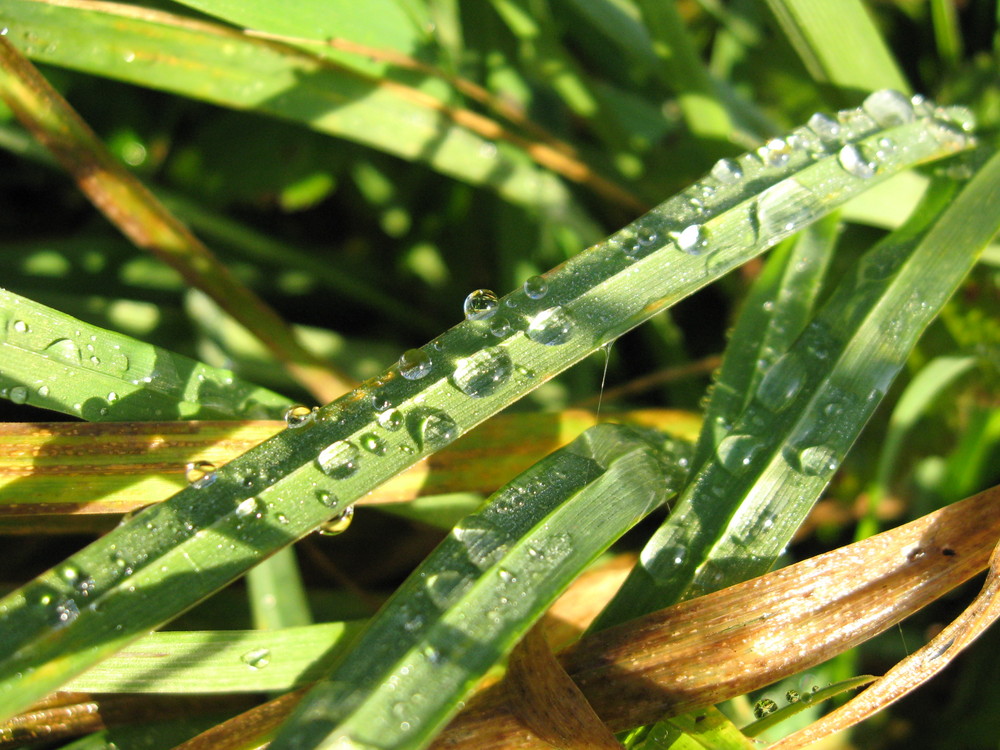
(479, 592)
(742, 508)
(220, 64)
(57, 362)
(169, 557)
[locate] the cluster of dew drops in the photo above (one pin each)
(484, 372)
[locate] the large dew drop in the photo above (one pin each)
(735, 452)
(200, 474)
(338, 524)
(437, 429)
(693, 240)
(296, 416)
(339, 460)
(854, 162)
(551, 327)
(536, 287)
(727, 171)
(480, 305)
(482, 373)
(889, 108)
(817, 460)
(414, 364)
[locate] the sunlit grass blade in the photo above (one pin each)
(78, 469)
(170, 556)
(839, 44)
(220, 64)
(57, 362)
(740, 510)
(480, 591)
(774, 313)
(136, 212)
(703, 651)
(708, 729)
(804, 701)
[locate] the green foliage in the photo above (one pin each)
(363, 166)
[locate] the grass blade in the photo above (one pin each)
(480, 591)
(57, 362)
(741, 509)
(172, 555)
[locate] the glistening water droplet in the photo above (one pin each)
(782, 382)
(483, 372)
(258, 658)
(414, 364)
(536, 287)
(736, 452)
(551, 327)
(391, 420)
(338, 524)
(854, 162)
(727, 171)
(296, 416)
(18, 394)
(693, 239)
(200, 474)
(480, 305)
(817, 460)
(436, 429)
(889, 108)
(339, 460)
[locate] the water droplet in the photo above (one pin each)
(506, 576)
(200, 474)
(853, 162)
(825, 127)
(736, 452)
(21, 327)
(43, 391)
(675, 554)
(692, 240)
(817, 460)
(327, 498)
(69, 573)
(436, 429)
(380, 401)
(414, 364)
(65, 350)
(444, 587)
(551, 327)
(792, 696)
(889, 108)
(249, 507)
(775, 153)
(18, 394)
(755, 528)
(258, 658)
(480, 305)
(338, 524)
(727, 171)
(339, 460)
(296, 416)
(763, 707)
(391, 420)
(373, 444)
(782, 382)
(482, 373)
(484, 543)
(66, 610)
(536, 287)
(524, 372)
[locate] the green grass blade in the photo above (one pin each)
(57, 362)
(774, 313)
(479, 592)
(224, 661)
(741, 510)
(219, 64)
(170, 556)
(277, 594)
(839, 44)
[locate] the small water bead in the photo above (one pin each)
(727, 171)
(200, 474)
(18, 394)
(436, 429)
(444, 587)
(391, 420)
(66, 610)
(551, 327)
(818, 460)
(296, 416)
(373, 444)
(327, 498)
(536, 287)
(249, 507)
(825, 127)
(782, 382)
(854, 162)
(889, 108)
(482, 373)
(693, 240)
(792, 696)
(414, 364)
(805, 140)
(480, 305)
(258, 658)
(380, 401)
(339, 460)
(500, 327)
(764, 707)
(675, 554)
(855, 124)
(43, 391)
(69, 573)
(736, 452)
(775, 153)
(21, 327)
(338, 524)
(485, 544)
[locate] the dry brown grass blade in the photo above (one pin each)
(50, 468)
(248, 729)
(548, 702)
(912, 671)
(706, 650)
(140, 216)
